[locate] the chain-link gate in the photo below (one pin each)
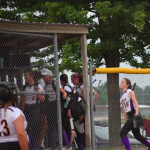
(102, 121)
(40, 105)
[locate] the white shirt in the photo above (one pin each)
(7, 128)
(67, 88)
(41, 82)
(32, 98)
(79, 89)
(49, 88)
(126, 101)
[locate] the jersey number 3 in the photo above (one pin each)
(5, 126)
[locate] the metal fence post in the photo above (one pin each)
(91, 106)
(58, 91)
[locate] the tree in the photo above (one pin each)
(120, 34)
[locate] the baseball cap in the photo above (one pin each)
(45, 71)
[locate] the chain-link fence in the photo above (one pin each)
(41, 109)
(109, 117)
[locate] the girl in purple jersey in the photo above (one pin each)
(130, 108)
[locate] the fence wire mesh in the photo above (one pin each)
(16, 51)
(107, 117)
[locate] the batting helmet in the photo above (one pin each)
(8, 91)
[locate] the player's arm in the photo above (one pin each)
(82, 92)
(96, 97)
(40, 96)
(22, 137)
(135, 102)
(64, 94)
(125, 115)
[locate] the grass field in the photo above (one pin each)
(122, 121)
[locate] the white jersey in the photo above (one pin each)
(7, 128)
(79, 89)
(126, 101)
(41, 82)
(49, 88)
(32, 98)
(67, 88)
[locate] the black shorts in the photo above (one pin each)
(10, 146)
(32, 114)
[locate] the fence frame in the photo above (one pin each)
(62, 32)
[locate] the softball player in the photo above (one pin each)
(130, 108)
(66, 114)
(13, 123)
(52, 107)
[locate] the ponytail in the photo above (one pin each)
(129, 83)
(134, 86)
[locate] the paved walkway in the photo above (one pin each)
(132, 148)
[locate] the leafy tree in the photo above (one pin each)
(120, 33)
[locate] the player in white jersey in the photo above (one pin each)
(68, 132)
(51, 106)
(31, 107)
(13, 122)
(130, 108)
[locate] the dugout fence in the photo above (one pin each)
(20, 43)
(44, 129)
(108, 117)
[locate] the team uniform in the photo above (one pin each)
(51, 113)
(79, 89)
(66, 120)
(8, 135)
(32, 113)
(41, 82)
(129, 108)
(80, 137)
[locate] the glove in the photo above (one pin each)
(137, 121)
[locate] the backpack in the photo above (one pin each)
(67, 102)
(78, 106)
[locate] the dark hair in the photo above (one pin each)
(64, 78)
(80, 77)
(31, 73)
(36, 75)
(129, 83)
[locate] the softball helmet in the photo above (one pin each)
(8, 91)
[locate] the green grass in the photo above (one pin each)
(146, 117)
(122, 121)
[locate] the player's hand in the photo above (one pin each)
(36, 89)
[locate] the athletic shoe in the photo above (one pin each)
(79, 126)
(67, 148)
